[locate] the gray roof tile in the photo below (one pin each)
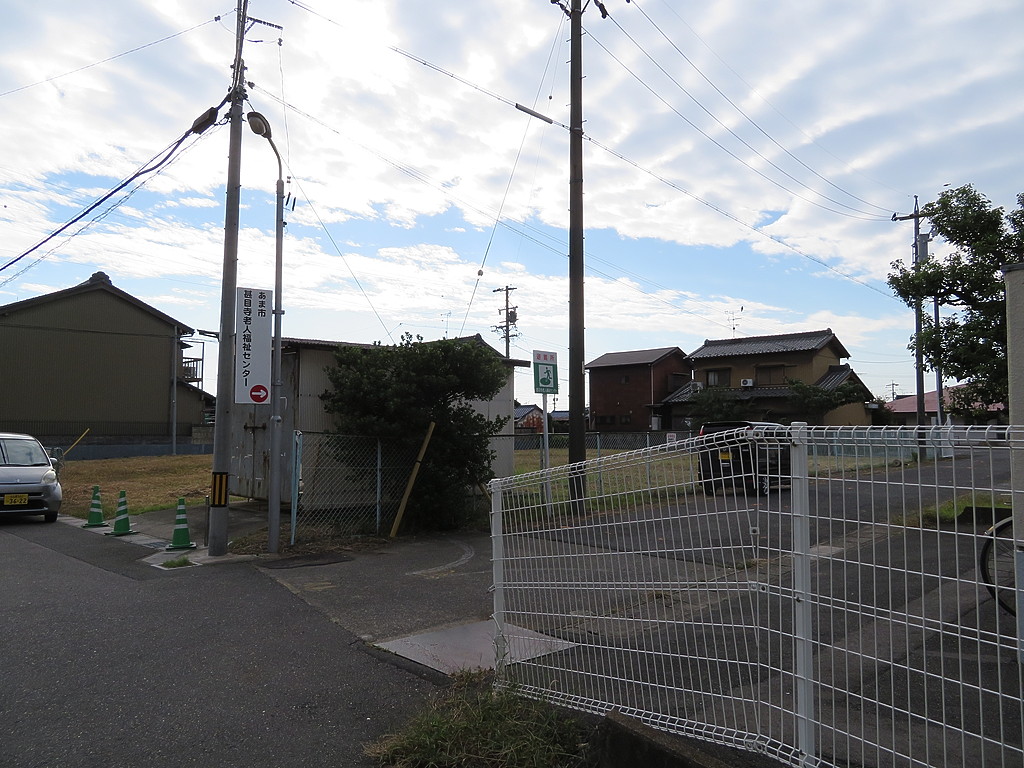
(766, 345)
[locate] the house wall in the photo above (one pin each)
(89, 360)
(621, 396)
(799, 366)
(850, 415)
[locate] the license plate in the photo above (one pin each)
(725, 456)
(15, 499)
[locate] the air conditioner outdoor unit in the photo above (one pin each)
(746, 382)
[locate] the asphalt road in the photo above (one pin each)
(110, 662)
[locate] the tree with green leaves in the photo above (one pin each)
(397, 390)
(715, 404)
(813, 402)
(969, 343)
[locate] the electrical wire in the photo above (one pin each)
(732, 104)
(508, 186)
(112, 58)
(739, 221)
(775, 109)
(165, 164)
(732, 154)
(149, 167)
(717, 209)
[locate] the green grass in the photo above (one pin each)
(949, 510)
(473, 725)
(178, 562)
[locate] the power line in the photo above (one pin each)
(201, 124)
(734, 106)
(775, 109)
(112, 58)
(725, 149)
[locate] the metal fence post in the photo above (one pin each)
(379, 484)
(1013, 276)
(802, 614)
(296, 477)
(498, 577)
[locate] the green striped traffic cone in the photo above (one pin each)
(122, 525)
(95, 511)
(181, 539)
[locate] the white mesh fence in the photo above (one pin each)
(812, 594)
(347, 485)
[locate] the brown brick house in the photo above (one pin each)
(627, 388)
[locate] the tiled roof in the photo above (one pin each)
(688, 391)
(324, 344)
(522, 410)
(685, 393)
(808, 341)
(633, 357)
(835, 376)
(99, 281)
(908, 403)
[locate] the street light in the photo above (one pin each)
(259, 125)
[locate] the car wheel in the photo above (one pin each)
(50, 517)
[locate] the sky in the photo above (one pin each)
(742, 163)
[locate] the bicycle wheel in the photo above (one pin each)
(996, 561)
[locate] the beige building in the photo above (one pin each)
(304, 364)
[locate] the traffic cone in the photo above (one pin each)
(95, 511)
(122, 525)
(181, 539)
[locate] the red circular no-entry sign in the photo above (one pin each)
(259, 394)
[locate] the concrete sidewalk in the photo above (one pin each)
(155, 529)
(426, 599)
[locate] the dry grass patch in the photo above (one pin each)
(149, 482)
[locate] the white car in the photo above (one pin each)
(28, 478)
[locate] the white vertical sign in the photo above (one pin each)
(253, 341)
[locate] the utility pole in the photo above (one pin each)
(218, 526)
(922, 250)
(577, 394)
(918, 352)
(506, 329)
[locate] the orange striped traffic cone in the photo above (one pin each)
(122, 525)
(181, 539)
(95, 511)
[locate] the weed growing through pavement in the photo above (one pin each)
(472, 724)
(178, 562)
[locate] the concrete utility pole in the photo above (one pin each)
(922, 251)
(577, 393)
(918, 352)
(506, 329)
(218, 529)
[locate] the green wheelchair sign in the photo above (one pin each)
(545, 373)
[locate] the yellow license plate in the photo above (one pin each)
(15, 499)
(725, 456)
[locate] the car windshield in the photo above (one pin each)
(18, 452)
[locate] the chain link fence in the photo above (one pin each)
(346, 485)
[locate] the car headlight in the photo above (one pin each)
(49, 477)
